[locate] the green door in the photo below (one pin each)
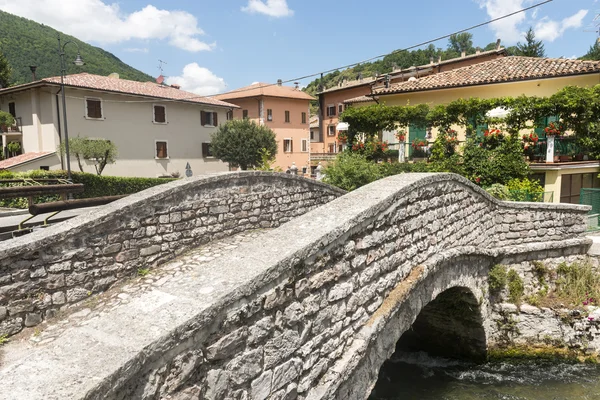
(480, 129)
(542, 123)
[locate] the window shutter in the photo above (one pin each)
(291, 146)
(159, 114)
(328, 111)
(215, 121)
(204, 149)
(333, 111)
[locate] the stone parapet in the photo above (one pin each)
(66, 263)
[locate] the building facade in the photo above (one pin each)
(158, 130)
(285, 110)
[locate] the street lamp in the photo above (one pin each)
(63, 71)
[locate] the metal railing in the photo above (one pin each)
(525, 195)
(565, 149)
(591, 197)
(16, 128)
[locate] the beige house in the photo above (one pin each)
(506, 77)
(285, 110)
(158, 129)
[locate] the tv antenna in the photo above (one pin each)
(160, 66)
(595, 26)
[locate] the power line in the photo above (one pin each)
(353, 64)
(400, 50)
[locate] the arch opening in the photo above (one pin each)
(450, 326)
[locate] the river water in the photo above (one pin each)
(410, 376)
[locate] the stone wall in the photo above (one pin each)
(314, 308)
(68, 262)
(570, 326)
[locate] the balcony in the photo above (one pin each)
(323, 156)
(13, 129)
(566, 149)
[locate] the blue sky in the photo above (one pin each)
(214, 46)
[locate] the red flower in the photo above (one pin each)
(478, 179)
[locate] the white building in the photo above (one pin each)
(158, 129)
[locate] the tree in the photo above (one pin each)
(241, 143)
(100, 152)
(593, 53)
(460, 42)
(5, 72)
(531, 47)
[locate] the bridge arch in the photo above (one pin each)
(318, 306)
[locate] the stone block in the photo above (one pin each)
(150, 250)
(227, 345)
(32, 319)
(3, 313)
(260, 330)
(112, 248)
(59, 298)
(217, 384)
(261, 386)
(127, 255)
(246, 367)
(281, 347)
(340, 291)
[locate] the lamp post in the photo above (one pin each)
(63, 71)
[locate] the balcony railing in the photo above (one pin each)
(323, 156)
(15, 128)
(566, 149)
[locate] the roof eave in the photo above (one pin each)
(481, 84)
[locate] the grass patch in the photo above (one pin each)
(143, 271)
(516, 288)
(4, 339)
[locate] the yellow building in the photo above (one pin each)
(503, 77)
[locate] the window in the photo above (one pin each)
(207, 150)
(93, 108)
(331, 110)
(305, 145)
(161, 149)
(245, 114)
(11, 109)
(208, 118)
(229, 115)
(160, 114)
(331, 130)
(287, 146)
(340, 108)
(332, 148)
(571, 185)
(45, 168)
(287, 116)
(346, 106)
(269, 115)
(303, 117)
(312, 135)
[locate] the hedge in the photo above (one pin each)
(94, 185)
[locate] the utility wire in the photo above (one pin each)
(349, 65)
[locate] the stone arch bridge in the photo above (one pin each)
(309, 310)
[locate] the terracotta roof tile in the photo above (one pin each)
(23, 158)
(505, 69)
(359, 99)
(146, 89)
(265, 89)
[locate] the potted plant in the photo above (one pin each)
(401, 136)
(342, 137)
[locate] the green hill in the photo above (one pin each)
(401, 59)
(24, 42)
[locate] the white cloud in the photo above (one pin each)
(136, 50)
(549, 30)
(506, 29)
(272, 8)
(511, 29)
(96, 21)
(199, 80)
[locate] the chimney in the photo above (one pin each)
(439, 59)
(175, 86)
(430, 60)
(279, 82)
(498, 44)
(477, 50)
(32, 68)
(114, 75)
(296, 85)
(463, 54)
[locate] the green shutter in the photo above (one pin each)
(480, 129)
(542, 123)
(415, 132)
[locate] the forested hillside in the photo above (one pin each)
(24, 42)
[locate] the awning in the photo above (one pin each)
(342, 126)
(498, 112)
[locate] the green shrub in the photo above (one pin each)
(94, 185)
(498, 191)
(578, 284)
(516, 288)
(497, 278)
(525, 190)
(350, 171)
